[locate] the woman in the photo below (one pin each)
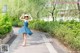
(25, 30)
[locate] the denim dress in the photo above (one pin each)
(25, 29)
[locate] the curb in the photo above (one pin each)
(7, 38)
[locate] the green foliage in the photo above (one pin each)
(16, 22)
(5, 25)
(39, 8)
(20, 24)
(68, 32)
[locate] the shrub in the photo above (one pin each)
(68, 32)
(5, 25)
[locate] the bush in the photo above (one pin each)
(16, 22)
(68, 32)
(5, 25)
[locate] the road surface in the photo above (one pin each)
(37, 43)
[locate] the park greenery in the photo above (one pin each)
(5, 25)
(68, 32)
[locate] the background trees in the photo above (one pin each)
(42, 8)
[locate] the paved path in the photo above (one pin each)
(37, 43)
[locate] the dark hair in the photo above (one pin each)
(26, 16)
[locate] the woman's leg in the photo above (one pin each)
(24, 39)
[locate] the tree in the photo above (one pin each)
(36, 6)
(52, 13)
(78, 5)
(53, 4)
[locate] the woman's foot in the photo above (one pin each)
(24, 44)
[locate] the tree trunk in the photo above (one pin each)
(38, 16)
(53, 12)
(78, 5)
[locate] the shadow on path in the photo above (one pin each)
(11, 40)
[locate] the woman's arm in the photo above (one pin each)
(22, 17)
(30, 19)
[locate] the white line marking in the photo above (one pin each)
(48, 44)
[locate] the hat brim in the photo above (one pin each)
(26, 16)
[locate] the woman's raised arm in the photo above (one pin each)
(22, 17)
(30, 18)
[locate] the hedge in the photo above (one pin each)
(5, 25)
(67, 32)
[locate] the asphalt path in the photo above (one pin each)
(36, 43)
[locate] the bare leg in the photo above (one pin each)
(24, 39)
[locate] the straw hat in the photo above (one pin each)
(24, 15)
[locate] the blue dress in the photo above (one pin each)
(25, 29)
